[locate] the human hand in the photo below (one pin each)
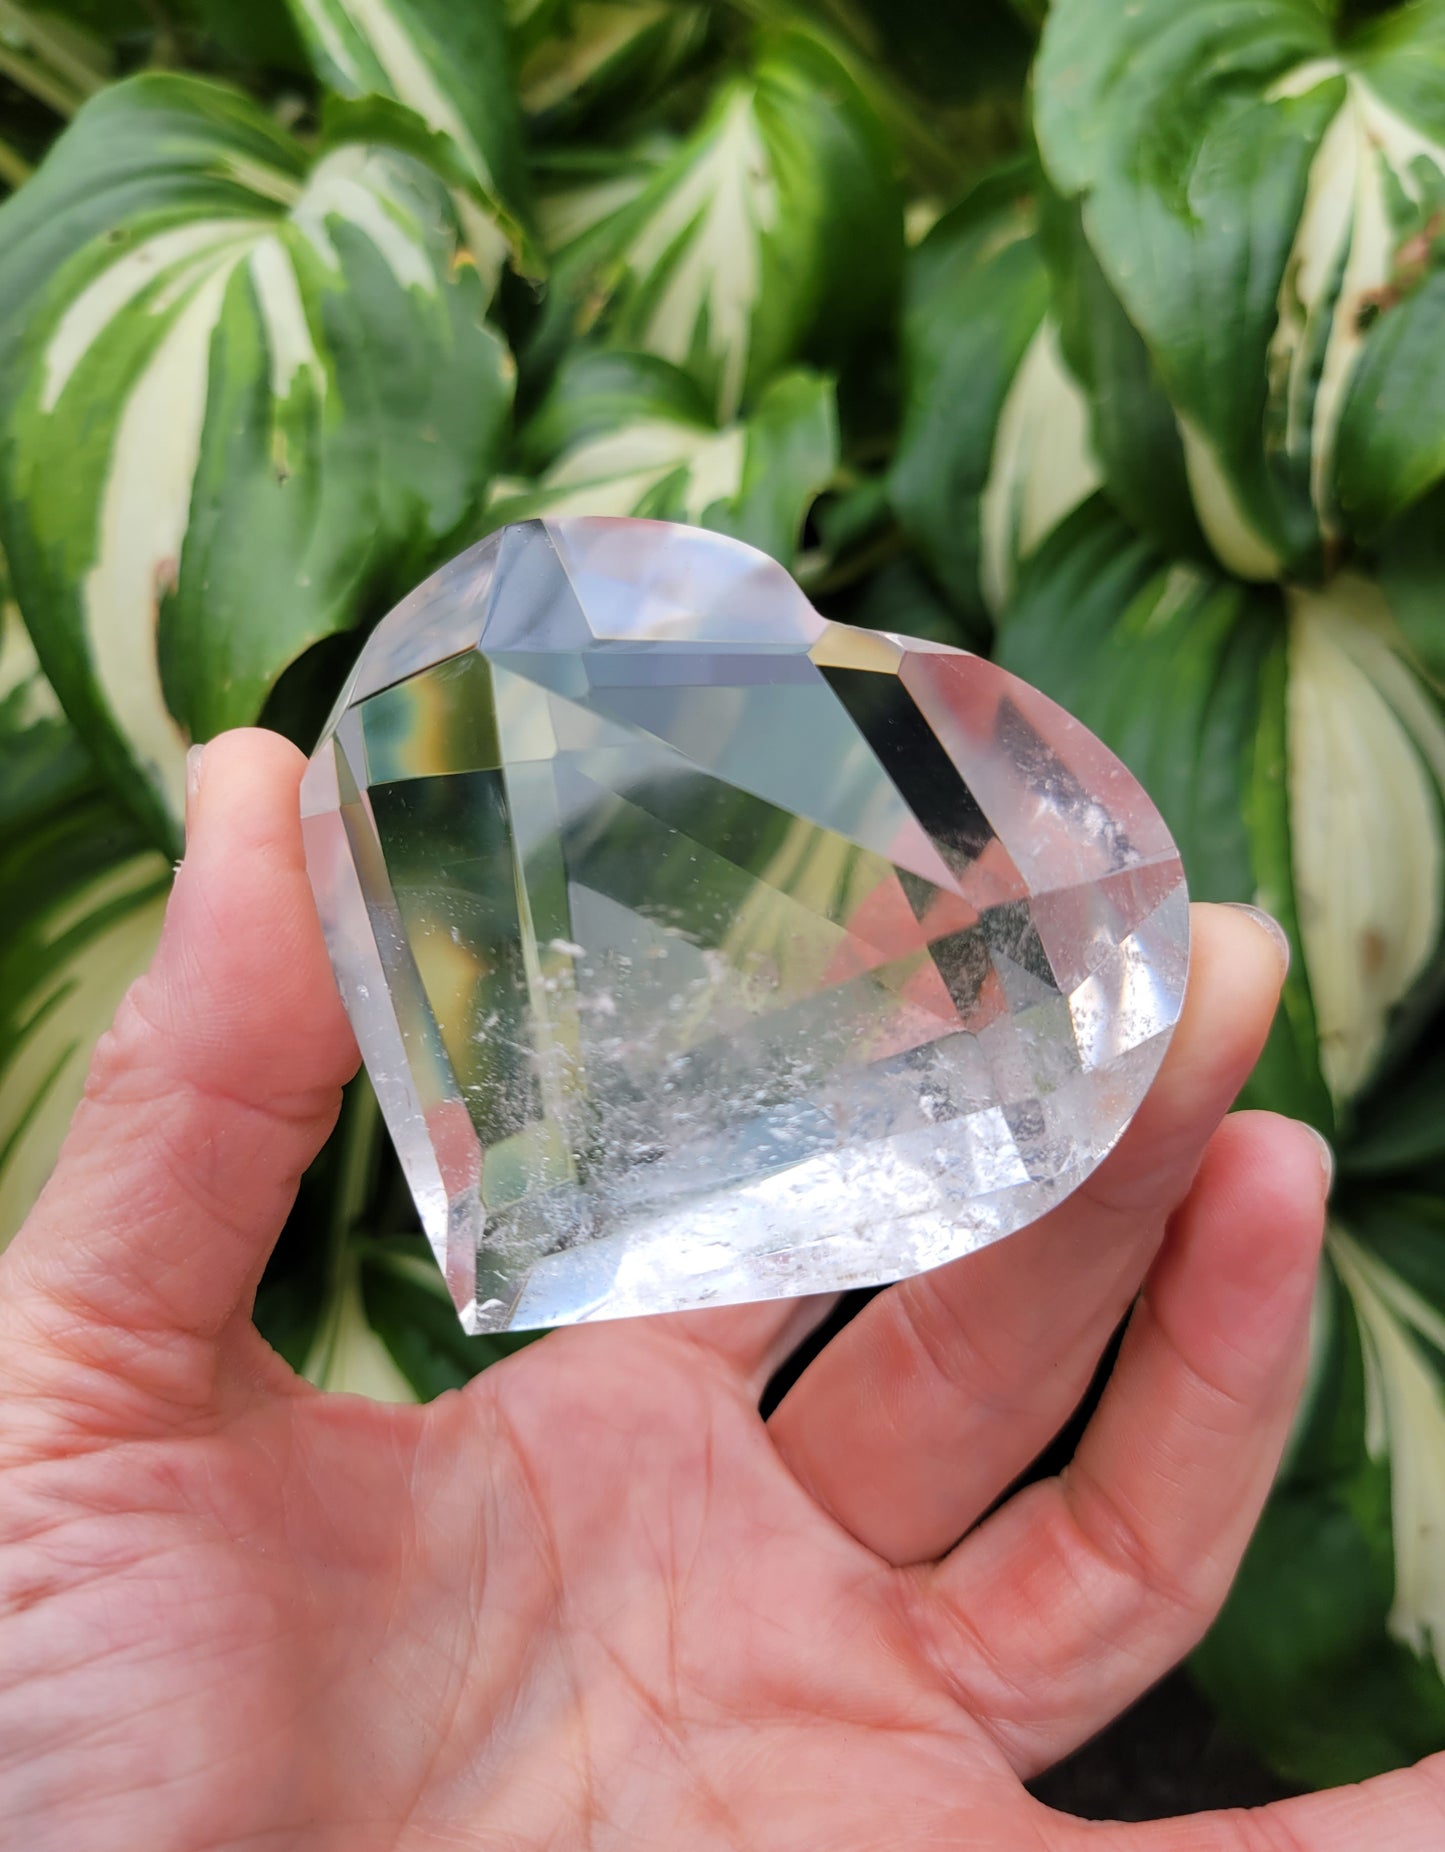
(592, 1600)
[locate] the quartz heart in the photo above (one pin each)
(703, 950)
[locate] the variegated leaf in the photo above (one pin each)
(84, 895)
(1330, 1651)
(347, 1357)
(449, 65)
(1367, 821)
(1402, 1337)
(995, 448)
(1134, 432)
(1183, 672)
(42, 763)
(627, 434)
(774, 230)
(580, 191)
(582, 188)
(84, 899)
(1275, 236)
(268, 393)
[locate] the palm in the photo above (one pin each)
(593, 1600)
(583, 1594)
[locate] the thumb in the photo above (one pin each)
(217, 1084)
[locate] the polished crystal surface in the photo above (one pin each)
(702, 950)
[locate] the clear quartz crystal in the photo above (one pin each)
(701, 950)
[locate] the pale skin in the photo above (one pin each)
(593, 1601)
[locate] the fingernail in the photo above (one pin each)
(1327, 1156)
(193, 783)
(1270, 925)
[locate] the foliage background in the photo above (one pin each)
(1109, 339)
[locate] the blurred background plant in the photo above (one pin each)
(1108, 339)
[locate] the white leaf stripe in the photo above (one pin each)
(347, 1357)
(613, 475)
(357, 186)
(639, 457)
(92, 312)
(144, 513)
(413, 80)
(1042, 464)
(288, 332)
(1404, 1424)
(1222, 515)
(325, 21)
(1366, 774)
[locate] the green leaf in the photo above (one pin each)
(1367, 821)
(250, 33)
(1268, 232)
(1328, 1651)
(409, 1309)
(206, 35)
(449, 64)
(1299, 1663)
(1412, 575)
(773, 232)
(1401, 1127)
(84, 899)
(266, 389)
(949, 54)
(627, 434)
(577, 57)
(1182, 672)
(994, 449)
(1133, 430)
(946, 81)
(42, 763)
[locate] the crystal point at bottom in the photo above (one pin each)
(703, 951)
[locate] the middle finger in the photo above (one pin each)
(938, 1395)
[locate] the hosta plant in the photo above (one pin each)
(1109, 338)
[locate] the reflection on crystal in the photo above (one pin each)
(701, 950)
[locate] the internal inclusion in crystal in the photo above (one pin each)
(701, 950)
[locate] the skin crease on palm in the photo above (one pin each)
(592, 1600)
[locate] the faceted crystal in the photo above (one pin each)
(702, 950)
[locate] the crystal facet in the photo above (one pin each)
(703, 950)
